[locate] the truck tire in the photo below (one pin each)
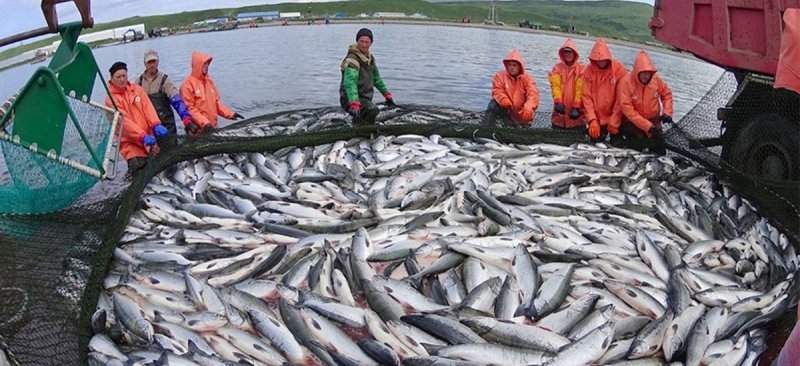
(767, 147)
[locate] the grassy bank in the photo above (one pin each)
(611, 19)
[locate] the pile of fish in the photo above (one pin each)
(419, 250)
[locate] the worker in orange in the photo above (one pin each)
(141, 125)
(645, 102)
(600, 80)
(514, 95)
(567, 88)
(202, 98)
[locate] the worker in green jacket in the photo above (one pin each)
(359, 76)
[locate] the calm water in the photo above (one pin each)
(273, 69)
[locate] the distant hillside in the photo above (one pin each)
(611, 19)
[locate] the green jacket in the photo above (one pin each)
(359, 75)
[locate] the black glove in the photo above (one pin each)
(559, 108)
(656, 132)
(191, 129)
(208, 128)
(574, 113)
(666, 119)
(237, 116)
(390, 103)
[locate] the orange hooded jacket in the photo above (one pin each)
(140, 118)
(521, 90)
(788, 74)
(642, 103)
(567, 87)
(200, 94)
(600, 86)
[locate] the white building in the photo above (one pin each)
(418, 16)
(116, 33)
(290, 15)
(386, 14)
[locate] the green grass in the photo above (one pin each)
(611, 19)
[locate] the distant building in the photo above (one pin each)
(386, 14)
(116, 33)
(264, 15)
(418, 16)
(290, 15)
(215, 22)
(340, 15)
(363, 15)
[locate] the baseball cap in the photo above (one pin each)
(150, 55)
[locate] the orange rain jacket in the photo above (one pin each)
(788, 75)
(140, 118)
(200, 94)
(567, 87)
(642, 103)
(600, 86)
(520, 89)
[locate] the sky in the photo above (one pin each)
(24, 15)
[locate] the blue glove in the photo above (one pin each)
(180, 106)
(149, 140)
(160, 131)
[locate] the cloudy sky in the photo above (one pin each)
(24, 15)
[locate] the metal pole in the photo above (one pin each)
(24, 35)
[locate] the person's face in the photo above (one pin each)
(151, 67)
(569, 56)
(363, 43)
(602, 63)
(204, 69)
(645, 76)
(120, 78)
(513, 68)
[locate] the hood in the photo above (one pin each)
(642, 63)
(600, 51)
(568, 44)
(515, 56)
(198, 59)
(354, 50)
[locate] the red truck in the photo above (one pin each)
(760, 128)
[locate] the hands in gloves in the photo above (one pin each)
(574, 113)
(505, 103)
(526, 115)
(594, 129)
(389, 100)
(148, 140)
(559, 107)
(355, 109)
(666, 119)
(237, 116)
(613, 130)
(190, 127)
(160, 131)
(656, 132)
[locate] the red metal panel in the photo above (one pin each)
(738, 34)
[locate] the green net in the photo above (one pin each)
(45, 182)
(55, 263)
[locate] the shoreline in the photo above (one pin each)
(509, 28)
(422, 22)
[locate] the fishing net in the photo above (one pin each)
(36, 183)
(766, 173)
(55, 263)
